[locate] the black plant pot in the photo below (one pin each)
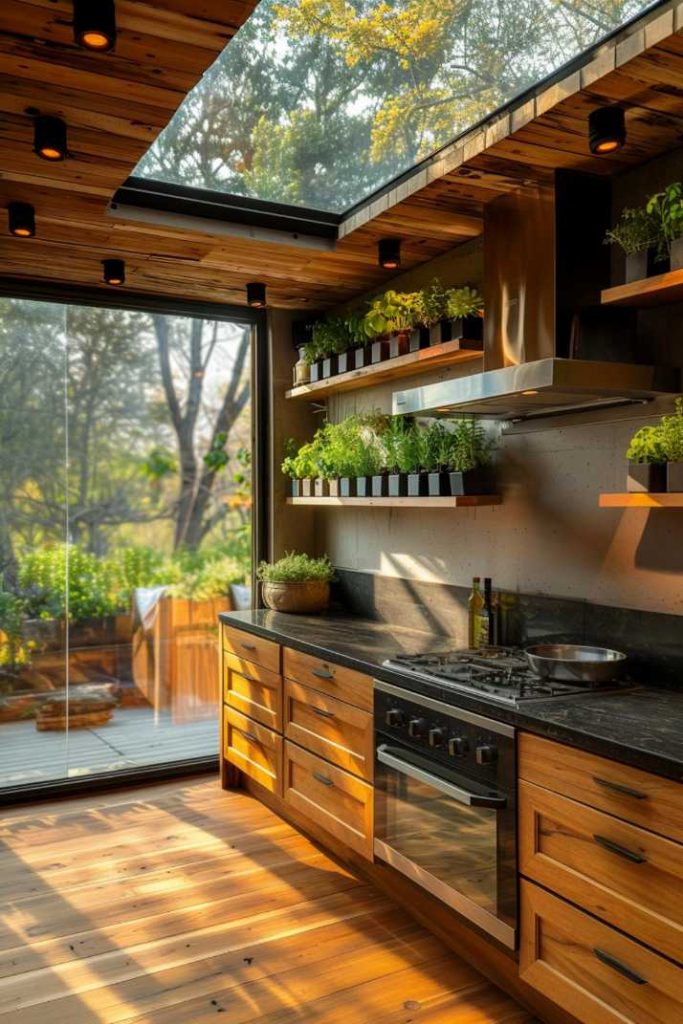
(674, 477)
(320, 488)
(347, 486)
(399, 344)
(676, 255)
(452, 484)
(329, 366)
(397, 485)
(379, 351)
(636, 266)
(345, 361)
(307, 487)
(359, 357)
(440, 332)
(363, 486)
(417, 485)
(315, 372)
(379, 485)
(646, 477)
(419, 338)
(469, 331)
(295, 486)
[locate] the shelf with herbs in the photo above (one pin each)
(655, 466)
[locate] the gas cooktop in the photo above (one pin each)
(499, 674)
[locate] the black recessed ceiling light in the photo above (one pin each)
(606, 130)
(389, 253)
(95, 24)
(256, 294)
(49, 137)
(114, 271)
(22, 220)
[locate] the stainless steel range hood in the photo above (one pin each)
(549, 346)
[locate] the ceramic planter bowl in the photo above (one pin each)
(646, 477)
(674, 477)
(309, 597)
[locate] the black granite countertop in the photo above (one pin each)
(642, 727)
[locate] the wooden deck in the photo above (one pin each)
(174, 903)
(132, 738)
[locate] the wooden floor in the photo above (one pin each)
(134, 737)
(174, 903)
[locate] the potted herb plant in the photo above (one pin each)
(671, 428)
(666, 207)
(400, 455)
(636, 233)
(378, 324)
(465, 310)
(296, 583)
(301, 465)
(460, 456)
(646, 461)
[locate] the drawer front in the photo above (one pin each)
(628, 793)
(253, 749)
(253, 690)
(331, 728)
(619, 872)
(330, 797)
(591, 970)
(338, 681)
(252, 648)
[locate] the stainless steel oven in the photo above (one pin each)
(445, 805)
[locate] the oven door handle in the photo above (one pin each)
(463, 796)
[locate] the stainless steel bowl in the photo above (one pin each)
(575, 663)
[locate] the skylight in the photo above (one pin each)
(319, 103)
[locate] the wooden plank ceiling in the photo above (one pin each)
(116, 104)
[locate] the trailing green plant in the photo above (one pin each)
(666, 208)
(462, 302)
(635, 231)
(646, 446)
(296, 567)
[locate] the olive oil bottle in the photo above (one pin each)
(475, 606)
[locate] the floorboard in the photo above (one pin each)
(174, 903)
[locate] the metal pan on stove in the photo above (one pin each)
(576, 663)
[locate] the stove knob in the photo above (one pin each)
(416, 728)
(435, 737)
(458, 746)
(486, 755)
(394, 717)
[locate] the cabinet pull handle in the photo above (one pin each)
(618, 787)
(323, 778)
(323, 713)
(249, 679)
(322, 673)
(248, 647)
(621, 851)
(616, 965)
(250, 736)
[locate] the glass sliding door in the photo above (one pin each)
(125, 533)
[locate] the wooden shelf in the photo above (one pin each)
(461, 501)
(448, 353)
(628, 500)
(652, 291)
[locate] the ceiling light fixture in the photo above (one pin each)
(389, 253)
(22, 220)
(95, 24)
(606, 130)
(114, 271)
(49, 137)
(256, 295)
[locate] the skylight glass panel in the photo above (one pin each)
(319, 103)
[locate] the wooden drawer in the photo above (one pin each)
(619, 872)
(253, 648)
(331, 728)
(628, 793)
(255, 691)
(590, 969)
(253, 749)
(343, 683)
(330, 797)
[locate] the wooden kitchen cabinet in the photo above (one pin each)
(254, 749)
(331, 728)
(253, 690)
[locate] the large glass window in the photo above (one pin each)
(125, 509)
(318, 103)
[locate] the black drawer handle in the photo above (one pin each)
(323, 778)
(618, 787)
(322, 673)
(250, 736)
(248, 647)
(323, 713)
(616, 965)
(249, 679)
(621, 851)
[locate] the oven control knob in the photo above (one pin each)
(394, 717)
(458, 746)
(486, 755)
(416, 728)
(435, 737)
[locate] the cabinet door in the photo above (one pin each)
(331, 728)
(592, 970)
(253, 690)
(253, 749)
(253, 648)
(329, 797)
(336, 680)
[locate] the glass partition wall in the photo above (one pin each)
(125, 528)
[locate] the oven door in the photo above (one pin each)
(451, 835)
